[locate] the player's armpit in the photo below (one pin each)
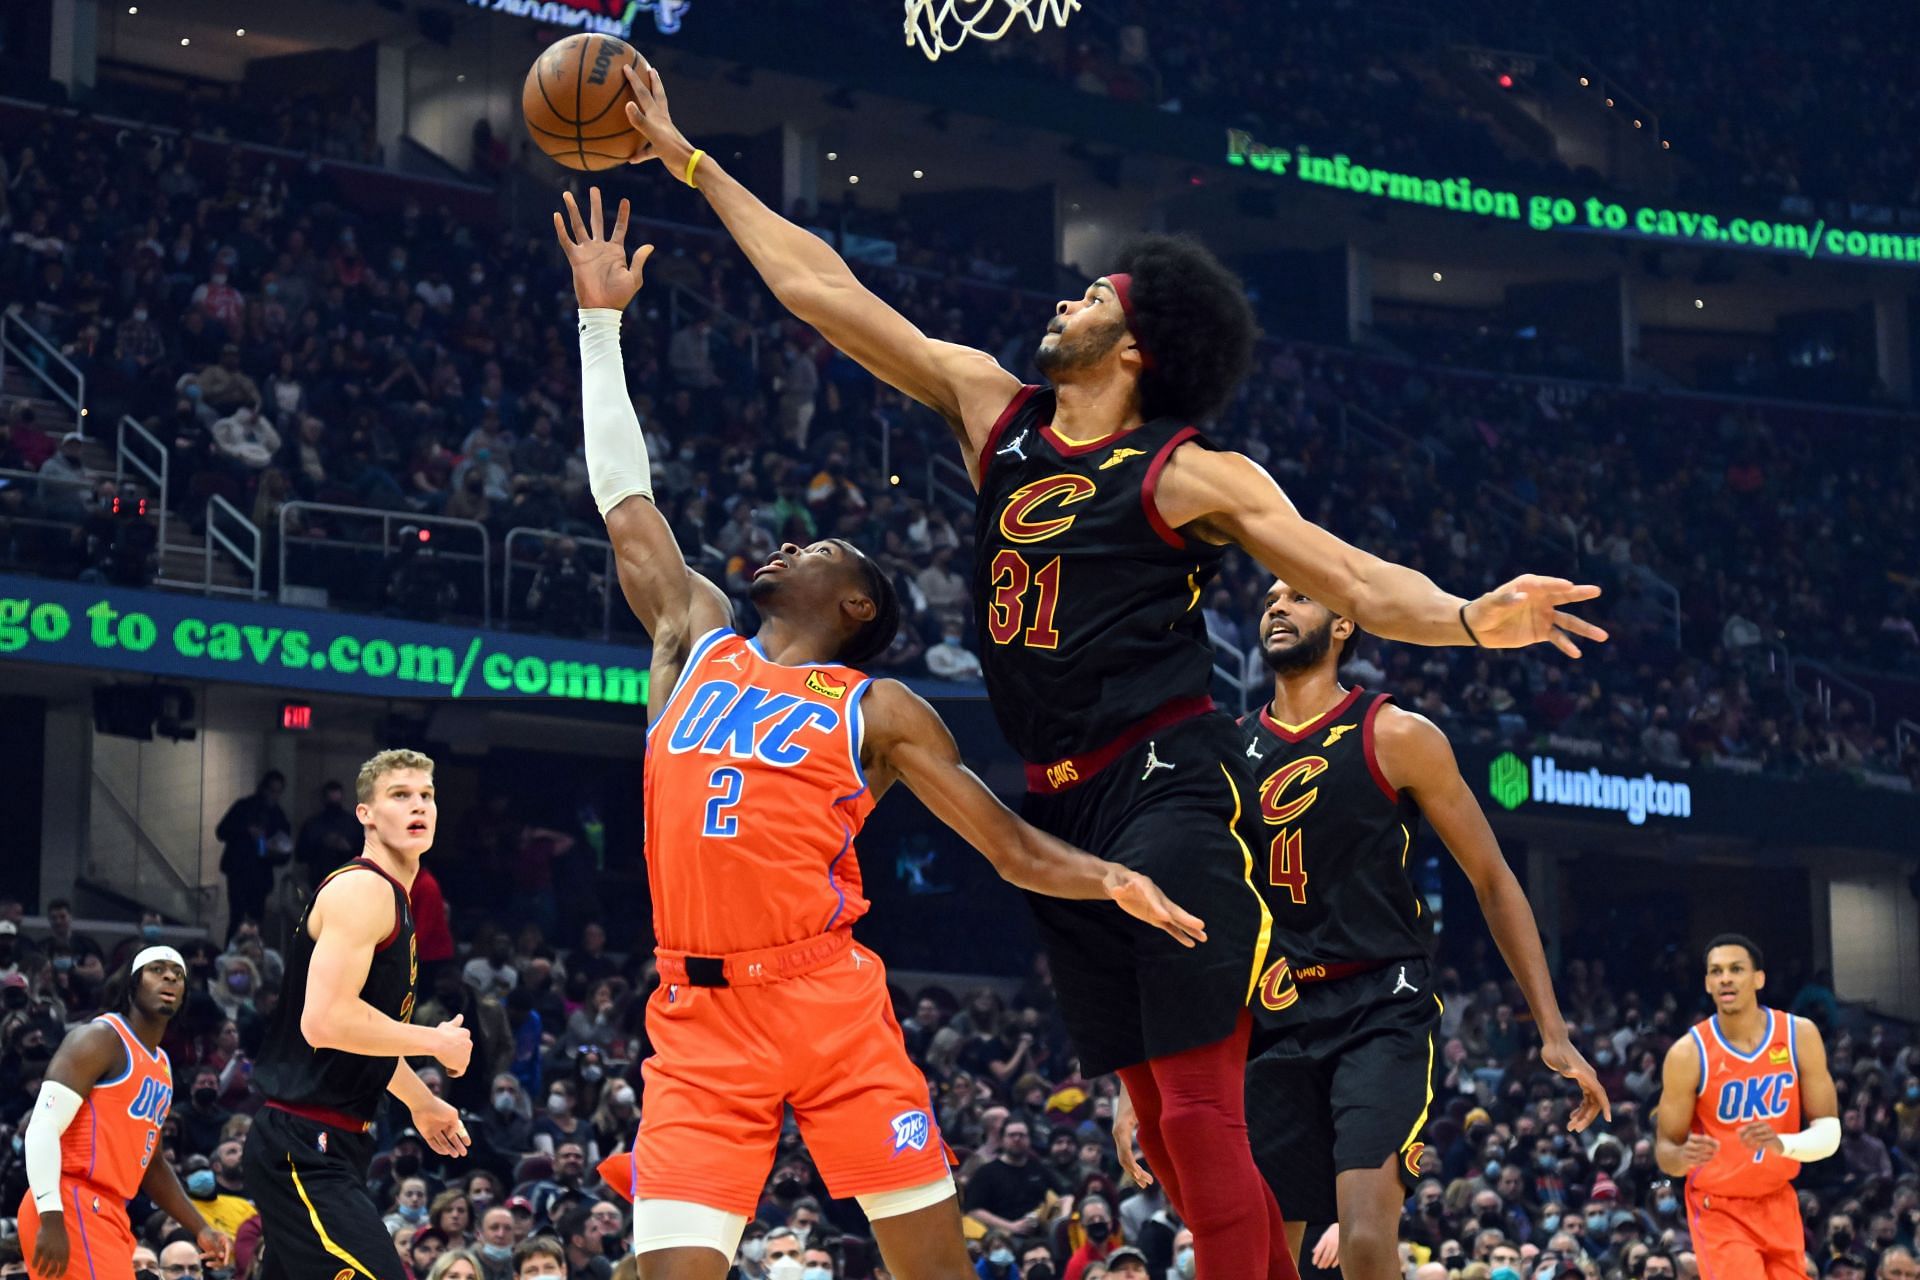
(907, 740)
(88, 1055)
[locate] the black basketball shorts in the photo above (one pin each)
(1180, 807)
(309, 1181)
(1343, 1080)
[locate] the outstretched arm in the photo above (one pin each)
(1227, 497)
(675, 604)
(1417, 759)
(906, 740)
(966, 387)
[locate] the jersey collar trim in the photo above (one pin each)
(126, 1031)
(1765, 1040)
(1068, 449)
(1295, 733)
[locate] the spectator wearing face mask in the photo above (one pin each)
(1093, 1223)
(1036, 1263)
(560, 1124)
(202, 1121)
(220, 1191)
(782, 1250)
(997, 1258)
(495, 1246)
(409, 1204)
(617, 1117)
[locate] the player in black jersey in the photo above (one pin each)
(1102, 515)
(1342, 1068)
(338, 1044)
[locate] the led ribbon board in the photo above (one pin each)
(1544, 211)
(191, 638)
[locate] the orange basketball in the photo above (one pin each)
(574, 101)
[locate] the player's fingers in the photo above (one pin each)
(596, 221)
(619, 235)
(560, 234)
(659, 89)
(1579, 626)
(1563, 642)
(636, 81)
(457, 1019)
(640, 257)
(573, 217)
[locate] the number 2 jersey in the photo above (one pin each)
(1736, 1089)
(754, 794)
(1335, 839)
(1089, 602)
(112, 1137)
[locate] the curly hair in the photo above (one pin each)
(876, 634)
(1192, 316)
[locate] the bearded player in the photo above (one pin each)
(1734, 1093)
(95, 1129)
(1102, 515)
(1341, 1076)
(764, 758)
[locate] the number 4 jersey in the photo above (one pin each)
(754, 794)
(1335, 837)
(1089, 603)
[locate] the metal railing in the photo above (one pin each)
(158, 471)
(609, 578)
(948, 479)
(33, 350)
(1825, 682)
(387, 546)
(220, 511)
(1662, 590)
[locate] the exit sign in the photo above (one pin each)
(297, 716)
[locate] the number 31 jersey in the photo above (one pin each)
(1089, 604)
(754, 793)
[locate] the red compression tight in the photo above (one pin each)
(1192, 1108)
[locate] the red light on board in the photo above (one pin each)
(297, 716)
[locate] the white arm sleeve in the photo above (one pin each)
(52, 1114)
(617, 465)
(1815, 1142)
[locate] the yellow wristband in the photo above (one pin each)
(693, 162)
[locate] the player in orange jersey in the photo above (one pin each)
(113, 1076)
(764, 757)
(1735, 1094)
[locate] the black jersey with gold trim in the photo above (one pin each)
(1335, 837)
(1089, 603)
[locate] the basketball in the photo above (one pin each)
(574, 99)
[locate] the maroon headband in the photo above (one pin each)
(1122, 283)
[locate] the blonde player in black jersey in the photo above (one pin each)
(1102, 514)
(1340, 1077)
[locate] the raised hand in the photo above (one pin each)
(1140, 897)
(602, 274)
(648, 114)
(1527, 611)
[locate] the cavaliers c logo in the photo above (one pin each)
(1277, 810)
(1277, 988)
(1017, 522)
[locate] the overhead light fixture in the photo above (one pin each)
(239, 31)
(853, 179)
(833, 155)
(185, 41)
(1665, 145)
(919, 173)
(1437, 277)
(132, 9)
(1636, 124)
(1584, 82)
(1699, 304)
(1609, 101)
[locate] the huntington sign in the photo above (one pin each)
(1512, 782)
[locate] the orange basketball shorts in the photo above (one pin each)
(99, 1237)
(1748, 1238)
(727, 1059)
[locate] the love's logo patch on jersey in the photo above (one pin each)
(1018, 522)
(1120, 456)
(1780, 1057)
(817, 682)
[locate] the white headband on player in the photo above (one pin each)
(152, 954)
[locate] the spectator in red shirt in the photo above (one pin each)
(1095, 1221)
(432, 932)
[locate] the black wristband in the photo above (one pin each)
(1468, 627)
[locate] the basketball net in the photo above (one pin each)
(941, 26)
